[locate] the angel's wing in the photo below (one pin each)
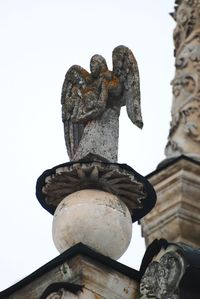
(75, 80)
(75, 76)
(126, 69)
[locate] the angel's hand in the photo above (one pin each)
(85, 117)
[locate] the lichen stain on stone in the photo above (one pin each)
(65, 271)
(91, 104)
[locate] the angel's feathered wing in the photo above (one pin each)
(126, 69)
(76, 77)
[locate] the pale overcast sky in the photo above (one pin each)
(40, 40)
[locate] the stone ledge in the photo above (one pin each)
(176, 216)
(82, 266)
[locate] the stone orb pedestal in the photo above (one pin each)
(96, 218)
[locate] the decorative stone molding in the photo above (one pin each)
(162, 277)
(96, 175)
(118, 179)
(184, 135)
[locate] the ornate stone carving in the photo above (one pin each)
(161, 279)
(62, 294)
(118, 179)
(95, 175)
(186, 16)
(184, 135)
(91, 105)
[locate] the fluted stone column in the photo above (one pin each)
(176, 181)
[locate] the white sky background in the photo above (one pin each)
(40, 40)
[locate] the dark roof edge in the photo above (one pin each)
(70, 253)
(168, 162)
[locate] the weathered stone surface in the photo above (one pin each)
(100, 137)
(163, 275)
(96, 279)
(91, 105)
(176, 216)
(96, 218)
(184, 136)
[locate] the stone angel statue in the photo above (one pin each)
(91, 105)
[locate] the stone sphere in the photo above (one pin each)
(96, 218)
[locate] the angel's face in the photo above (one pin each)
(95, 68)
(97, 65)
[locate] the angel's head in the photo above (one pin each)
(98, 65)
(123, 60)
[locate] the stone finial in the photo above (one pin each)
(184, 135)
(94, 200)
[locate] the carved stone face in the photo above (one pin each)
(97, 65)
